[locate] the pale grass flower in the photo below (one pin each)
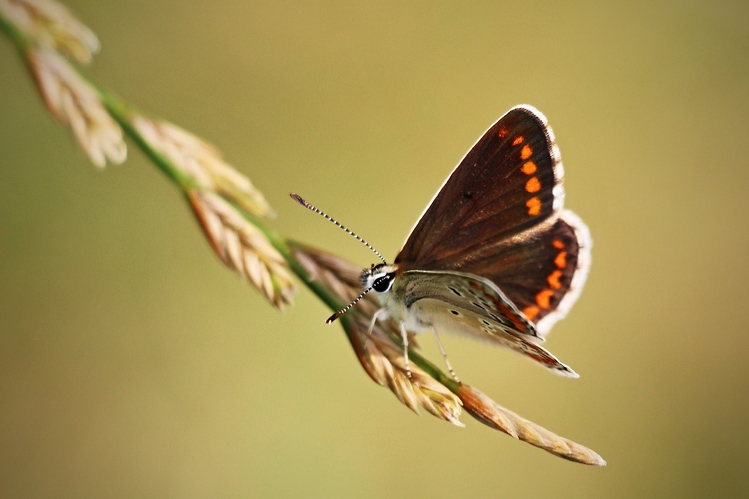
(202, 161)
(74, 102)
(52, 25)
(243, 247)
(382, 358)
(420, 389)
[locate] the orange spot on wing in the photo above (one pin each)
(554, 279)
(534, 206)
(543, 298)
(531, 312)
(518, 140)
(557, 244)
(529, 168)
(526, 152)
(561, 260)
(533, 185)
(502, 133)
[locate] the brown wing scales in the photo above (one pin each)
(505, 184)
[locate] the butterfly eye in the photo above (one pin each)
(382, 284)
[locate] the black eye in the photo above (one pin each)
(382, 284)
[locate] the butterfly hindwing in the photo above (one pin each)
(544, 273)
(468, 305)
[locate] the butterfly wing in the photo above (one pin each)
(544, 272)
(508, 182)
(499, 216)
(472, 306)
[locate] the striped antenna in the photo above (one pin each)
(336, 315)
(298, 199)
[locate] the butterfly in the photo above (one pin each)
(494, 256)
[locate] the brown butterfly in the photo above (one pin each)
(494, 256)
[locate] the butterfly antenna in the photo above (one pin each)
(347, 307)
(298, 199)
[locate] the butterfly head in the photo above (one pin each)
(378, 277)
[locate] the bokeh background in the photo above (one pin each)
(133, 364)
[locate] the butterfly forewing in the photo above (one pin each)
(508, 182)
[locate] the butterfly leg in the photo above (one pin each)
(404, 335)
(444, 355)
(380, 314)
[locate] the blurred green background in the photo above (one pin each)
(133, 364)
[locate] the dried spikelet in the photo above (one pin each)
(243, 247)
(490, 413)
(76, 103)
(381, 357)
(201, 161)
(52, 25)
